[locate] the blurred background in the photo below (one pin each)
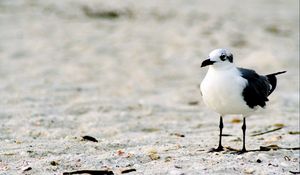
(75, 67)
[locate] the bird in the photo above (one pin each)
(230, 90)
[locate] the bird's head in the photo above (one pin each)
(220, 57)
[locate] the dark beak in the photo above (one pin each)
(207, 63)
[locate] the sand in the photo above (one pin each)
(127, 74)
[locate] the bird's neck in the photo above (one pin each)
(222, 67)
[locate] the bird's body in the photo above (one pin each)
(222, 91)
(227, 89)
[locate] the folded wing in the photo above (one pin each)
(257, 90)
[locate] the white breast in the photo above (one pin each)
(222, 91)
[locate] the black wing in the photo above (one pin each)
(257, 89)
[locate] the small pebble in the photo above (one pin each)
(192, 103)
(124, 171)
(27, 168)
(177, 134)
(89, 138)
(274, 165)
(153, 154)
(54, 163)
(287, 158)
(249, 171)
(168, 159)
(177, 166)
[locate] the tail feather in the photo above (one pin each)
(273, 80)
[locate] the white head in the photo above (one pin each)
(219, 58)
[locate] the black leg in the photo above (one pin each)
(244, 135)
(220, 147)
(220, 136)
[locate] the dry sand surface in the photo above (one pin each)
(127, 72)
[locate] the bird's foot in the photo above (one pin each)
(239, 152)
(219, 149)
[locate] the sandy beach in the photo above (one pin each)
(126, 74)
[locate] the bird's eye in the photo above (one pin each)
(222, 57)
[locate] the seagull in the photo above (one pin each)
(228, 89)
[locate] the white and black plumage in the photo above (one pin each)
(228, 89)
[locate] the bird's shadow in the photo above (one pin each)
(231, 150)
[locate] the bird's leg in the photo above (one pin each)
(220, 147)
(244, 135)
